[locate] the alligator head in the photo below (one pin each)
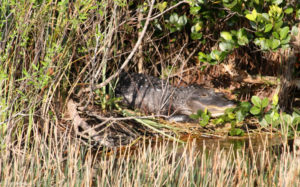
(158, 96)
(198, 98)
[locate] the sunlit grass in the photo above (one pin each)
(64, 160)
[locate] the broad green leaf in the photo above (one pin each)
(215, 55)
(265, 17)
(275, 44)
(174, 18)
(277, 2)
(256, 101)
(278, 24)
(275, 116)
(231, 115)
(275, 35)
(268, 27)
(255, 110)
(197, 27)
(236, 132)
(202, 57)
(262, 43)
(204, 121)
(240, 116)
(283, 32)
(226, 35)
(196, 35)
(242, 37)
(218, 121)
(264, 102)
(243, 41)
(252, 16)
(286, 41)
(226, 46)
(289, 10)
(194, 10)
(201, 54)
(182, 20)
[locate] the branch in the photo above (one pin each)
(138, 43)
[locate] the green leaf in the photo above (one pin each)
(226, 46)
(252, 16)
(283, 32)
(182, 20)
(231, 115)
(174, 18)
(162, 6)
(275, 35)
(202, 57)
(215, 55)
(265, 17)
(236, 132)
(289, 10)
(240, 116)
(255, 110)
(256, 101)
(277, 25)
(197, 27)
(194, 10)
(242, 37)
(204, 121)
(226, 35)
(196, 36)
(275, 44)
(275, 100)
(277, 2)
(245, 106)
(268, 27)
(218, 121)
(264, 102)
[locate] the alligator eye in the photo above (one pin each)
(204, 95)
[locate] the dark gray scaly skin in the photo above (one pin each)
(157, 96)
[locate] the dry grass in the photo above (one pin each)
(65, 161)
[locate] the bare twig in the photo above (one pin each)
(130, 55)
(167, 10)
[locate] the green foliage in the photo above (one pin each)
(176, 22)
(202, 116)
(267, 24)
(236, 131)
(258, 105)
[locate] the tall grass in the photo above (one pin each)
(64, 161)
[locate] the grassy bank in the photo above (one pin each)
(64, 161)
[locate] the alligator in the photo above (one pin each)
(154, 95)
